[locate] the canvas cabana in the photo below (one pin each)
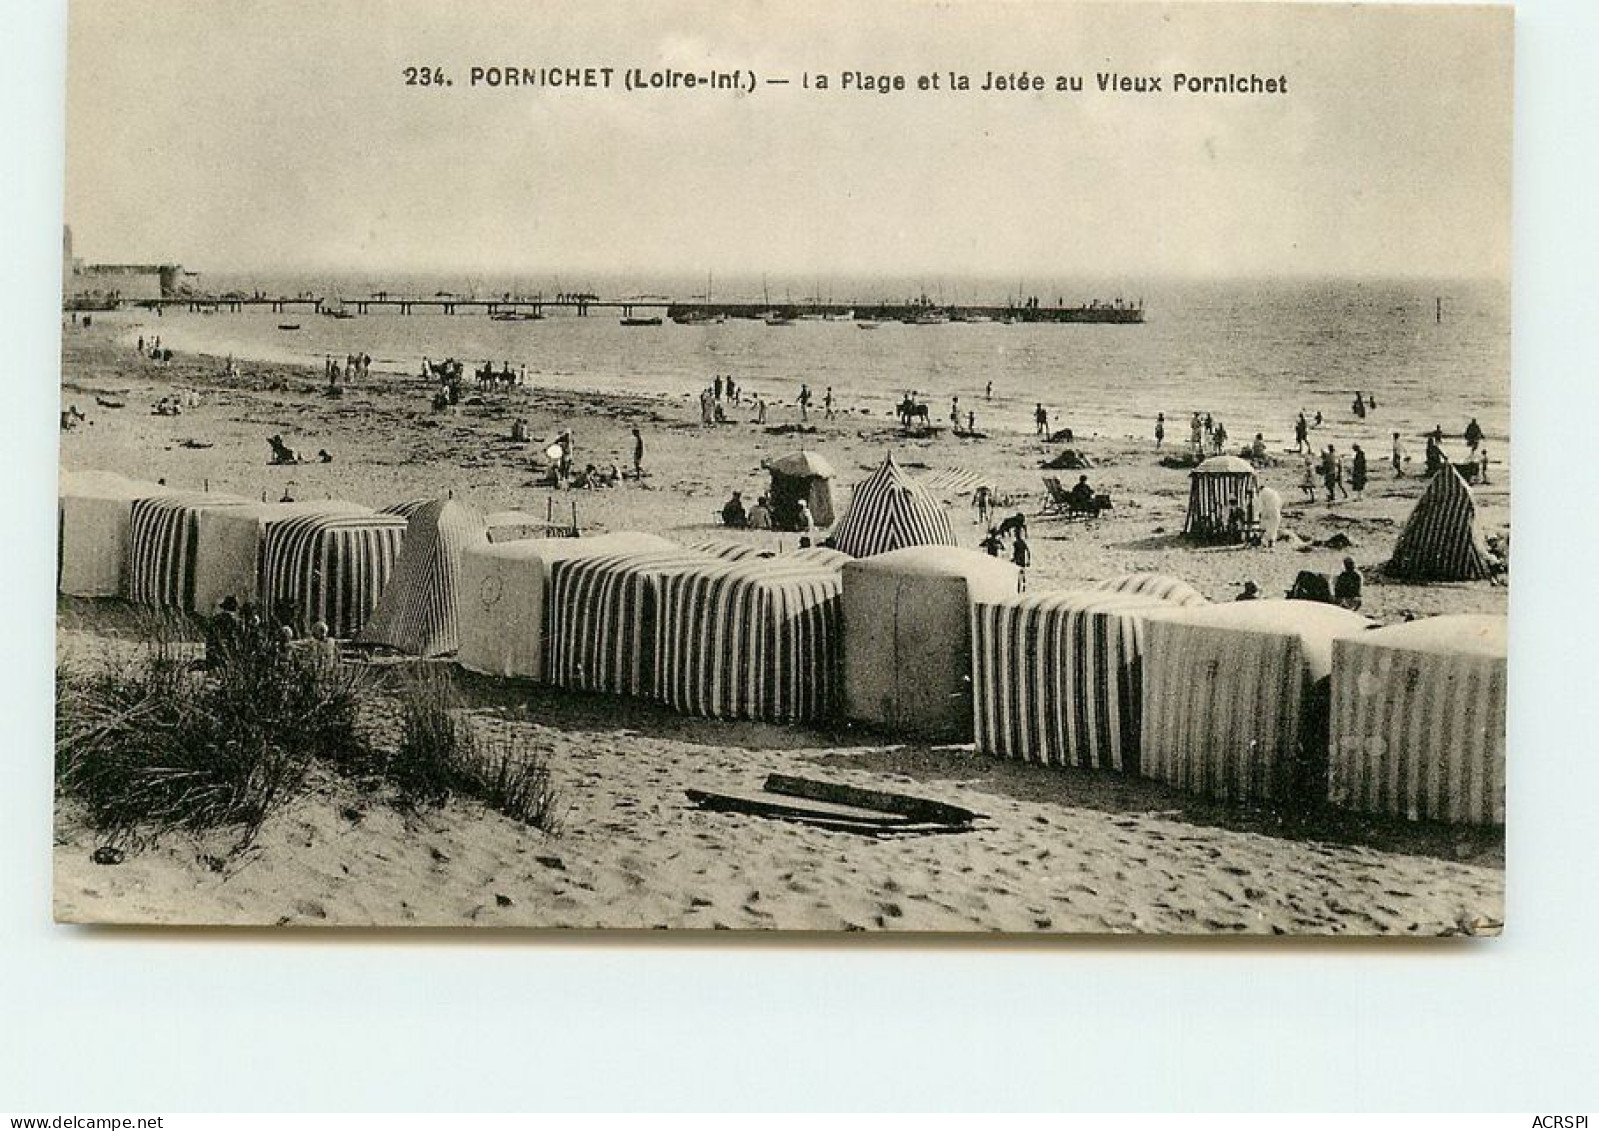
(1057, 677)
(1441, 540)
(800, 477)
(329, 568)
(1418, 720)
(228, 543)
(163, 536)
(1173, 590)
(94, 515)
(504, 597)
(1216, 488)
(908, 636)
(419, 611)
(602, 618)
(753, 639)
(889, 511)
(1235, 698)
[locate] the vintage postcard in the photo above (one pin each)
(922, 467)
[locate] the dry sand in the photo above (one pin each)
(1055, 851)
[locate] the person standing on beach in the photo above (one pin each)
(1271, 517)
(1482, 464)
(1021, 556)
(1196, 434)
(1357, 474)
(1041, 421)
(1473, 434)
(955, 413)
(1301, 434)
(988, 391)
(718, 386)
(1398, 457)
(1160, 430)
(804, 402)
(638, 454)
(971, 422)
(827, 403)
(760, 409)
(1220, 437)
(1307, 478)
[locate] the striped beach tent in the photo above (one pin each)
(405, 508)
(1235, 698)
(419, 611)
(329, 568)
(504, 596)
(94, 513)
(162, 536)
(908, 636)
(602, 618)
(1215, 488)
(733, 551)
(889, 511)
(1418, 720)
(1173, 590)
(1057, 677)
(1441, 540)
(228, 544)
(753, 639)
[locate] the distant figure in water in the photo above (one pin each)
(1371, 402)
(1160, 430)
(988, 391)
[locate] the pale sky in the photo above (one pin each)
(273, 136)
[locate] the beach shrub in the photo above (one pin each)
(510, 777)
(158, 734)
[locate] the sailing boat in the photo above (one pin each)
(773, 316)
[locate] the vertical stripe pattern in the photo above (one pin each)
(1212, 495)
(1418, 720)
(162, 537)
(1441, 540)
(1057, 677)
(419, 611)
(1172, 590)
(889, 511)
(330, 568)
(756, 639)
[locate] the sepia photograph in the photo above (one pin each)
(935, 468)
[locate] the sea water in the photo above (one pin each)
(1251, 354)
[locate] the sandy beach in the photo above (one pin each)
(1054, 851)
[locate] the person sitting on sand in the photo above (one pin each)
(1081, 495)
(993, 544)
(760, 516)
(324, 456)
(1347, 586)
(733, 513)
(1250, 592)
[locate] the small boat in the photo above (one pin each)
(516, 316)
(777, 318)
(868, 323)
(631, 321)
(288, 325)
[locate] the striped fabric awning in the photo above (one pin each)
(504, 596)
(602, 619)
(908, 637)
(1212, 495)
(1057, 677)
(733, 551)
(419, 611)
(405, 508)
(329, 568)
(94, 515)
(1235, 698)
(890, 511)
(229, 541)
(1171, 589)
(1441, 540)
(1418, 720)
(956, 480)
(756, 639)
(162, 537)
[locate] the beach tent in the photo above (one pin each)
(908, 636)
(1215, 488)
(1057, 676)
(1162, 585)
(419, 610)
(163, 534)
(405, 508)
(329, 568)
(752, 639)
(602, 618)
(94, 514)
(734, 551)
(1441, 540)
(504, 594)
(801, 476)
(1235, 698)
(1418, 720)
(890, 511)
(228, 543)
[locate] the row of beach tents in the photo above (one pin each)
(1270, 702)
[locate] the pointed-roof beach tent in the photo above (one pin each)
(751, 639)
(801, 476)
(908, 636)
(94, 513)
(163, 535)
(1441, 540)
(228, 543)
(505, 595)
(329, 568)
(1215, 488)
(419, 610)
(1418, 720)
(1057, 677)
(1173, 590)
(1235, 698)
(889, 511)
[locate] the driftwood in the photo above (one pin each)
(842, 808)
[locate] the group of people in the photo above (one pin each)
(355, 365)
(1345, 590)
(1206, 434)
(235, 627)
(1330, 471)
(1014, 529)
(154, 353)
(759, 516)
